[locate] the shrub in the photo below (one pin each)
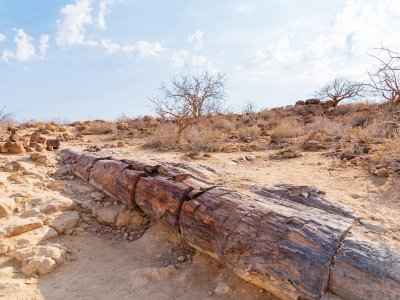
(202, 137)
(325, 125)
(287, 129)
(248, 132)
(222, 123)
(101, 127)
(164, 136)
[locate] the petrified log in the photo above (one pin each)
(286, 250)
(306, 195)
(85, 163)
(161, 199)
(104, 175)
(126, 186)
(140, 166)
(364, 269)
(69, 156)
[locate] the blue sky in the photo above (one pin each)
(85, 59)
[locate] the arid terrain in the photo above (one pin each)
(351, 153)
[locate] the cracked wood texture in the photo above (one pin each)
(286, 250)
(161, 199)
(85, 163)
(366, 269)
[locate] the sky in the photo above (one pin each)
(99, 59)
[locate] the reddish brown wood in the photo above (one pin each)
(161, 199)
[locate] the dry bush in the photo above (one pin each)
(287, 128)
(220, 122)
(327, 126)
(164, 136)
(389, 150)
(101, 127)
(245, 133)
(203, 137)
(6, 119)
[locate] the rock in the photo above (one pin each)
(107, 215)
(40, 158)
(57, 205)
(287, 250)
(222, 288)
(7, 206)
(13, 225)
(40, 259)
(53, 144)
(123, 217)
(13, 166)
(3, 148)
(120, 144)
(299, 103)
(29, 238)
(313, 146)
(328, 104)
(63, 221)
(382, 173)
(364, 269)
(57, 185)
(15, 147)
(312, 101)
(97, 196)
(36, 138)
(161, 199)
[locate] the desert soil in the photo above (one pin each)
(101, 265)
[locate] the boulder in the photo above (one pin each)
(36, 138)
(63, 221)
(107, 215)
(53, 144)
(313, 101)
(287, 250)
(161, 199)
(313, 146)
(15, 147)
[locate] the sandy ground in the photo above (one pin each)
(101, 266)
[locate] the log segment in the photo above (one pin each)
(85, 163)
(161, 199)
(286, 250)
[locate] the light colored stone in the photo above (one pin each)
(57, 205)
(7, 206)
(63, 221)
(41, 265)
(107, 215)
(123, 217)
(13, 225)
(57, 185)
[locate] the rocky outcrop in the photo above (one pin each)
(290, 240)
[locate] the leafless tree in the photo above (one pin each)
(5, 120)
(189, 97)
(341, 88)
(385, 80)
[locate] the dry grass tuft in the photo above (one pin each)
(203, 137)
(288, 128)
(245, 133)
(164, 136)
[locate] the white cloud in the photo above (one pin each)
(110, 46)
(128, 50)
(145, 48)
(197, 38)
(2, 37)
(179, 58)
(103, 5)
(280, 52)
(44, 44)
(71, 30)
(243, 8)
(7, 55)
